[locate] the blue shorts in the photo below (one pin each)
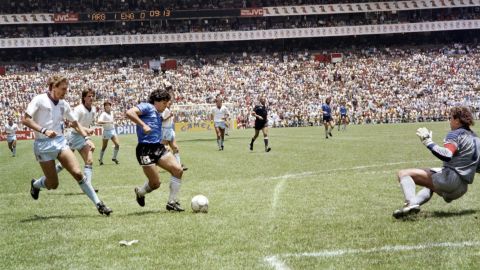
(76, 141)
(327, 118)
(11, 138)
(108, 134)
(220, 125)
(48, 149)
(168, 134)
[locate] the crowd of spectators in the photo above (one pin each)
(378, 85)
(234, 23)
(58, 6)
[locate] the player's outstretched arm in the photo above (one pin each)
(442, 153)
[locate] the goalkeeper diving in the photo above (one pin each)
(460, 156)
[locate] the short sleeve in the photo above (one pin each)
(69, 114)
(144, 108)
(32, 107)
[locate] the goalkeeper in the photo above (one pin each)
(460, 156)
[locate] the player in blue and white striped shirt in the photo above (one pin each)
(460, 156)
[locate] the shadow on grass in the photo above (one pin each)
(41, 218)
(446, 214)
(439, 214)
(143, 213)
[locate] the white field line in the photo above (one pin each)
(276, 262)
(308, 173)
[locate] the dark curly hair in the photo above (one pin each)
(463, 114)
(85, 94)
(159, 95)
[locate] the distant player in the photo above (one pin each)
(151, 152)
(106, 119)
(11, 129)
(220, 115)
(261, 123)
(460, 156)
(168, 133)
(45, 115)
(343, 117)
(327, 117)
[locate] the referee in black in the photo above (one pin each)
(261, 123)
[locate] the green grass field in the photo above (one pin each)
(311, 203)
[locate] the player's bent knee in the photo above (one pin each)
(154, 185)
(403, 173)
(78, 175)
(50, 186)
(177, 172)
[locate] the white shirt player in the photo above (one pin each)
(107, 117)
(48, 115)
(167, 123)
(219, 114)
(84, 116)
(10, 130)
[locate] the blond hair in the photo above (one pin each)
(55, 81)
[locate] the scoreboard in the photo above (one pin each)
(125, 16)
(157, 14)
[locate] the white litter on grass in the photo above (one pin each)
(125, 243)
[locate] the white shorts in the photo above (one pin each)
(48, 149)
(220, 125)
(108, 134)
(76, 141)
(448, 185)
(168, 134)
(11, 138)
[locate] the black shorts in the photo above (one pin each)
(259, 125)
(327, 118)
(148, 154)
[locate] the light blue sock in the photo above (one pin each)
(39, 183)
(88, 170)
(88, 189)
(174, 188)
(221, 142)
(115, 152)
(14, 151)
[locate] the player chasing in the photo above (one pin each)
(11, 129)
(460, 156)
(168, 134)
(150, 151)
(220, 116)
(343, 117)
(107, 120)
(327, 117)
(45, 115)
(261, 123)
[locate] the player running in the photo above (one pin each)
(260, 112)
(45, 115)
(150, 151)
(327, 117)
(106, 119)
(11, 129)
(220, 115)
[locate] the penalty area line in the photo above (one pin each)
(276, 262)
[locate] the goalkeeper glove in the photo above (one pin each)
(425, 136)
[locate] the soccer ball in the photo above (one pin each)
(200, 204)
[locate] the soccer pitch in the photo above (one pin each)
(310, 203)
